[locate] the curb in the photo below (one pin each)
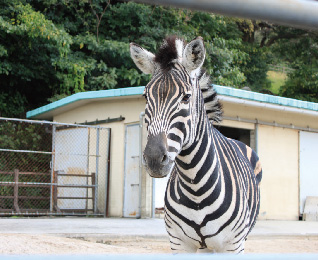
(106, 237)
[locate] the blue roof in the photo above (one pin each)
(85, 96)
(221, 90)
(265, 98)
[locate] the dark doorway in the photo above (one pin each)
(245, 136)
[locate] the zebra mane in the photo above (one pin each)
(169, 52)
(212, 105)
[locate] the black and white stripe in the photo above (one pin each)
(212, 197)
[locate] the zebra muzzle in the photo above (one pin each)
(155, 156)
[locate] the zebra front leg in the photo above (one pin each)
(178, 246)
(180, 242)
(236, 248)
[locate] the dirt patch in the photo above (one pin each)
(24, 244)
(291, 245)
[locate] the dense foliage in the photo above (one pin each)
(301, 53)
(53, 48)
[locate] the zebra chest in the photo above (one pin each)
(202, 229)
(206, 223)
(199, 227)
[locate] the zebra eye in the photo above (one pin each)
(186, 98)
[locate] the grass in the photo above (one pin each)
(277, 80)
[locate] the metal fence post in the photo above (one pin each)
(295, 13)
(52, 167)
(97, 170)
(16, 191)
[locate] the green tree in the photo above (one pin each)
(302, 83)
(53, 48)
(31, 50)
(299, 50)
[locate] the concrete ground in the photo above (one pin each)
(99, 236)
(122, 227)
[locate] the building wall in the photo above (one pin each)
(278, 149)
(269, 115)
(278, 152)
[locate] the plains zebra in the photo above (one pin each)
(212, 196)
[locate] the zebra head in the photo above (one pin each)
(173, 100)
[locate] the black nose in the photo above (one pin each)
(155, 155)
(155, 161)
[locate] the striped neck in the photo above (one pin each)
(198, 161)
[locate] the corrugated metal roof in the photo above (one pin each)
(221, 90)
(89, 95)
(254, 96)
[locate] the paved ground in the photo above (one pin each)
(117, 227)
(93, 236)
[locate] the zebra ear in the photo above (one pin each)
(194, 54)
(143, 59)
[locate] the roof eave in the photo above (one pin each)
(248, 98)
(48, 111)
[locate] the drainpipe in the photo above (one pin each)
(140, 167)
(256, 136)
(140, 157)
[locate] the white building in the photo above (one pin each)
(283, 131)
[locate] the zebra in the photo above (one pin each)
(212, 197)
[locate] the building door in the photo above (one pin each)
(132, 178)
(71, 162)
(308, 166)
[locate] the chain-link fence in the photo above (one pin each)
(49, 168)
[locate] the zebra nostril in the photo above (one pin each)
(144, 160)
(164, 160)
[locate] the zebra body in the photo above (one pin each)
(212, 196)
(214, 211)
